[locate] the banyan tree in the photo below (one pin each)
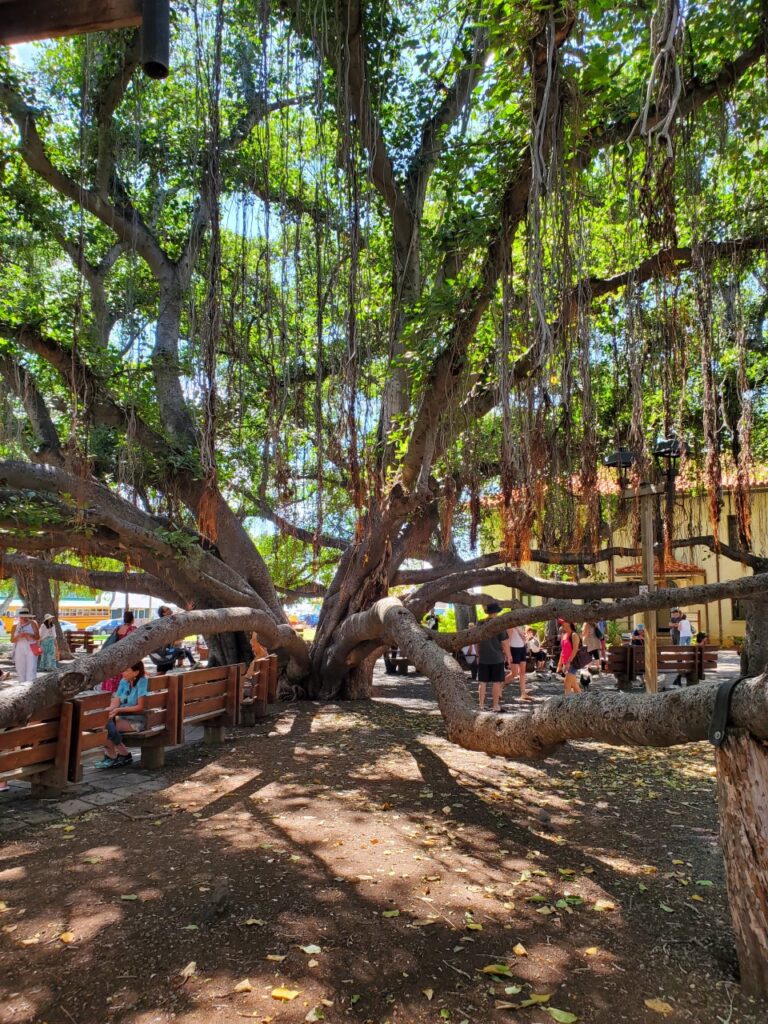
(390, 280)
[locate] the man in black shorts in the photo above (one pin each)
(492, 655)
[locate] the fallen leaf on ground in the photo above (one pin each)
(390, 913)
(428, 992)
(561, 1016)
(244, 986)
(285, 994)
(315, 1014)
(313, 963)
(129, 896)
(67, 937)
(275, 957)
(91, 860)
(255, 920)
(310, 949)
(535, 998)
(31, 942)
(666, 908)
(603, 905)
(659, 1006)
(501, 969)
(592, 951)
(189, 971)
(520, 950)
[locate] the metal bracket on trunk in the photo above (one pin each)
(718, 727)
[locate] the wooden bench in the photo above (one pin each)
(39, 750)
(91, 713)
(693, 662)
(78, 638)
(257, 692)
(209, 697)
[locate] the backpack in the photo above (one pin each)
(598, 633)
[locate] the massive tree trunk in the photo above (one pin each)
(754, 654)
(742, 786)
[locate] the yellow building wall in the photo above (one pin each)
(722, 620)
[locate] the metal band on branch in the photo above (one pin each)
(718, 729)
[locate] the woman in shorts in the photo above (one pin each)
(127, 713)
(518, 655)
(570, 641)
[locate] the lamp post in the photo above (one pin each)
(622, 461)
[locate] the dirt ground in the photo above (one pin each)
(346, 863)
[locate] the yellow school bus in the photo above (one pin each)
(81, 613)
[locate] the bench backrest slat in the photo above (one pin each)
(42, 743)
(209, 693)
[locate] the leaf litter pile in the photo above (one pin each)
(346, 863)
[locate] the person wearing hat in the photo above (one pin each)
(638, 635)
(492, 655)
(674, 625)
(25, 637)
(47, 662)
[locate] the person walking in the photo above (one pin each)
(127, 627)
(592, 644)
(48, 658)
(519, 655)
(686, 630)
(570, 642)
(470, 656)
(492, 655)
(674, 625)
(25, 637)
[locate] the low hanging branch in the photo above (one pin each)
(658, 720)
(18, 703)
(747, 588)
(452, 583)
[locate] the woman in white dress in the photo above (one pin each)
(25, 637)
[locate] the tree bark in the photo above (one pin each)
(742, 789)
(754, 655)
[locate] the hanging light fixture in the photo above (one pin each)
(156, 38)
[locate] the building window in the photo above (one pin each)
(737, 612)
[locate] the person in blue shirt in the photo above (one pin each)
(126, 714)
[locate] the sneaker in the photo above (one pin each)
(122, 761)
(106, 762)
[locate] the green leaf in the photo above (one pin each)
(561, 1016)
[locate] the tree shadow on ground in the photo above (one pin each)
(308, 838)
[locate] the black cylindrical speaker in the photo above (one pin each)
(156, 37)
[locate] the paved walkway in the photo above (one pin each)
(19, 811)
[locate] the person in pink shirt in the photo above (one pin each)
(570, 641)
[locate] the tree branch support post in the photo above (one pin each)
(742, 790)
(646, 541)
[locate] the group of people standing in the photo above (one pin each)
(501, 658)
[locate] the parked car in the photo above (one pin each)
(67, 627)
(105, 626)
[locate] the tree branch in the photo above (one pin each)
(124, 220)
(21, 382)
(18, 703)
(131, 582)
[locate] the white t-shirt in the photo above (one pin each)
(516, 636)
(686, 630)
(46, 631)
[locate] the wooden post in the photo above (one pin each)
(646, 541)
(742, 791)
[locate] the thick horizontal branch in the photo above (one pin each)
(746, 588)
(657, 720)
(18, 703)
(422, 599)
(129, 582)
